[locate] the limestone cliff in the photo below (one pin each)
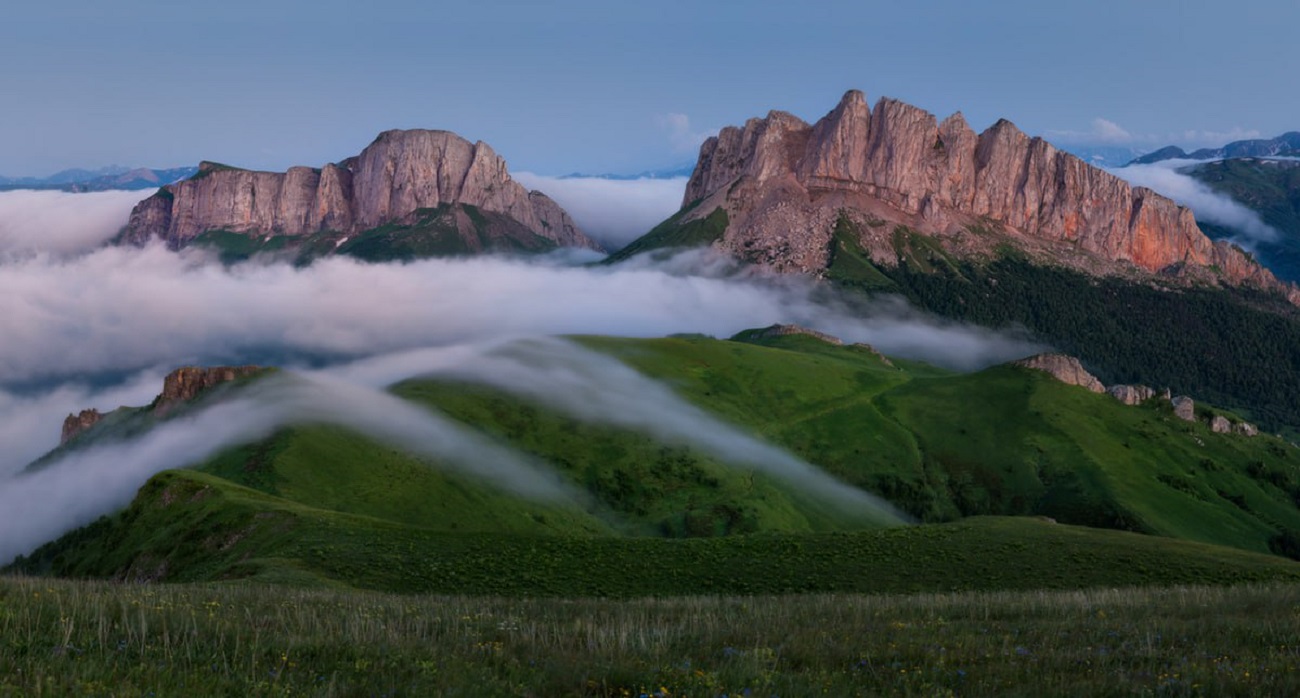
(397, 179)
(784, 184)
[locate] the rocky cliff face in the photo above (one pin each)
(400, 173)
(77, 423)
(785, 184)
(184, 384)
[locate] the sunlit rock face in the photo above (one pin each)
(396, 176)
(785, 184)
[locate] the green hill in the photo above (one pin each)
(321, 505)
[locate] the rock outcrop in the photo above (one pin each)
(1067, 369)
(874, 352)
(787, 330)
(1131, 394)
(399, 175)
(785, 184)
(75, 424)
(1064, 368)
(186, 383)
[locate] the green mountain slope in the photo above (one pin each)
(323, 505)
(1232, 347)
(450, 230)
(1271, 188)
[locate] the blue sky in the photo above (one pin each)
(614, 86)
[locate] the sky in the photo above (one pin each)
(593, 86)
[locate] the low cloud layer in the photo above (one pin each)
(1209, 206)
(61, 223)
(613, 212)
(130, 309)
(100, 328)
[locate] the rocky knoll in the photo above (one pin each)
(1064, 368)
(785, 185)
(1069, 370)
(396, 178)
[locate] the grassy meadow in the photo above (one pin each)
(61, 637)
(1066, 544)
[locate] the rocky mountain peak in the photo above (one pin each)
(784, 185)
(399, 175)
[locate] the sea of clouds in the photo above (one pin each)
(93, 326)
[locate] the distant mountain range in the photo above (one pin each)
(1285, 145)
(667, 173)
(104, 179)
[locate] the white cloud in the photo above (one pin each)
(139, 312)
(1106, 132)
(1110, 132)
(1102, 131)
(126, 309)
(55, 222)
(613, 212)
(1166, 178)
(682, 136)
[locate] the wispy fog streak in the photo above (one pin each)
(1167, 178)
(96, 480)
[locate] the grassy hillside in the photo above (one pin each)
(448, 230)
(673, 233)
(1272, 189)
(1232, 347)
(187, 527)
(321, 505)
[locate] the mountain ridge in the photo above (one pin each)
(785, 185)
(396, 180)
(1285, 145)
(111, 178)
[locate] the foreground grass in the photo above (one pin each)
(79, 638)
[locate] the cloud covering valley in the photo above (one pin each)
(99, 328)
